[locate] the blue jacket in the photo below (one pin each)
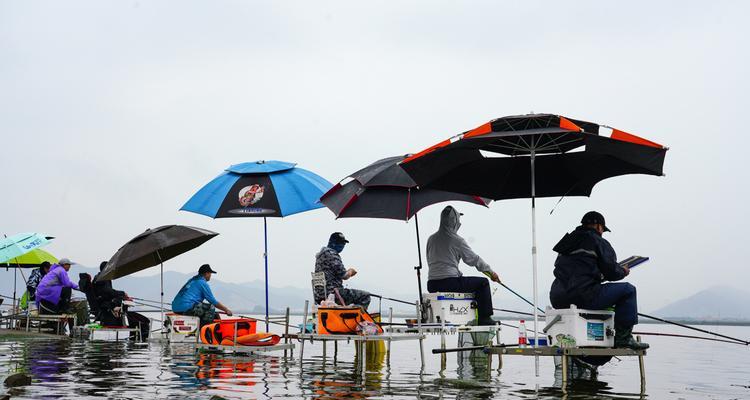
(193, 292)
(584, 261)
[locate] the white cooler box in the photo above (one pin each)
(589, 328)
(453, 308)
(182, 328)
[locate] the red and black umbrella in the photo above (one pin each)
(536, 155)
(384, 190)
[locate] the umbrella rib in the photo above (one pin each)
(559, 144)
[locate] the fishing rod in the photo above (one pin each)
(687, 337)
(513, 311)
(745, 342)
(469, 348)
(392, 299)
(520, 297)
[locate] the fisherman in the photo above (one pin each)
(36, 276)
(110, 308)
(328, 260)
(585, 259)
(445, 248)
(53, 295)
(189, 300)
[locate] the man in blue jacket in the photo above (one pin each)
(585, 260)
(189, 300)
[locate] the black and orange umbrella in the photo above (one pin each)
(530, 156)
(384, 190)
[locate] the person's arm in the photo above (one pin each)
(471, 258)
(65, 280)
(607, 262)
(208, 295)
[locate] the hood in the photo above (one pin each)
(450, 220)
(572, 241)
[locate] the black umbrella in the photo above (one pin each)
(384, 190)
(536, 155)
(153, 247)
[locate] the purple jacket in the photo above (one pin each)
(52, 284)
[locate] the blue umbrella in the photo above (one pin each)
(18, 245)
(259, 189)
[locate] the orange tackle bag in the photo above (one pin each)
(342, 320)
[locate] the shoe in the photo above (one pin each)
(624, 340)
(486, 321)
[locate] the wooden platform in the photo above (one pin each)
(245, 349)
(18, 333)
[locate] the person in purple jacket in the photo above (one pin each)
(54, 291)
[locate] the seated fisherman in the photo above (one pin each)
(53, 295)
(328, 260)
(189, 300)
(109, 307)
(585, 259)
(445, 248)
(36, 276)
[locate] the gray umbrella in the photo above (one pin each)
(384, 190)
(153, 247)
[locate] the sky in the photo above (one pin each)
(112, 114)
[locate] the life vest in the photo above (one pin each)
(222, 333)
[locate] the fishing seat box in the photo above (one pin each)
(589, 328)
(453, 308)
(182, 328)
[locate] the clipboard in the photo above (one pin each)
(633, 261)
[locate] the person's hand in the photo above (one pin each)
(627, 271)
(229, 312)
(495, 277)
(352, 272)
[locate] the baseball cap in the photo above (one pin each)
(205, 268)
(338, 237)
(64, 261)
(593, 217)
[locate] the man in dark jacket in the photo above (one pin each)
(109, 306)
(585, 260)
(328, 260)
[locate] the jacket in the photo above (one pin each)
(193, 292)
(51, 285)
(445, 248)
(329, 262)
(584, 261)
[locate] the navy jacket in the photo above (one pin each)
(584, 261)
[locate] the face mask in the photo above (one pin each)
(338, 247)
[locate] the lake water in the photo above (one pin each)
(75, 369)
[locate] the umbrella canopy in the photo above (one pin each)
(259, 189)
(384, 190)
(570, 157)
(32, 259)
(20, 244)
(153, 247)
(536, 155)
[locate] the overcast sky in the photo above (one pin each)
(112, 114)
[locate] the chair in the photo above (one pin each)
(318, 281)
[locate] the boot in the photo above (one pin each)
(624, 339)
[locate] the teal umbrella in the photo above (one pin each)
(18, 245)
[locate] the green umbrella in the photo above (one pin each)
(11, 248)
(32, 259)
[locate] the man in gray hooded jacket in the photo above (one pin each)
(445, 248)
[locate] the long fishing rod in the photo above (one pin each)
(469, 348)
(513, 311)
(411, 303)
(745, 342)
(687, 337)
(520, 297)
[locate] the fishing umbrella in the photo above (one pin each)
(530, 156)
(16, 246)
(151, 248)
(259, 189)
(32, 259)
(384, 190)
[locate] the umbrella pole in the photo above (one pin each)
(534, 258)
(418, 267)
(265, 258)
(15, 274)
(161, 282)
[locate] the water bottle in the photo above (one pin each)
(522, 339)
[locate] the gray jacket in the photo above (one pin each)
(445, 249)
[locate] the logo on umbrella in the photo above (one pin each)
(250, 195)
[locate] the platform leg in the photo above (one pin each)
(304, 331)
(421, 335)
(286, 329)
(564, 358)
(363, 345)
(324, 350)
(499, 355)
(335, 351)
(642, 368)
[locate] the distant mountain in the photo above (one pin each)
(714, 304)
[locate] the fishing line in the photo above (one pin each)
(687, 337)
(745, 342)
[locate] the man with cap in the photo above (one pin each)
(189, 300)
(445, 249)
(585, 260)
(55, 289)
(328, 261)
